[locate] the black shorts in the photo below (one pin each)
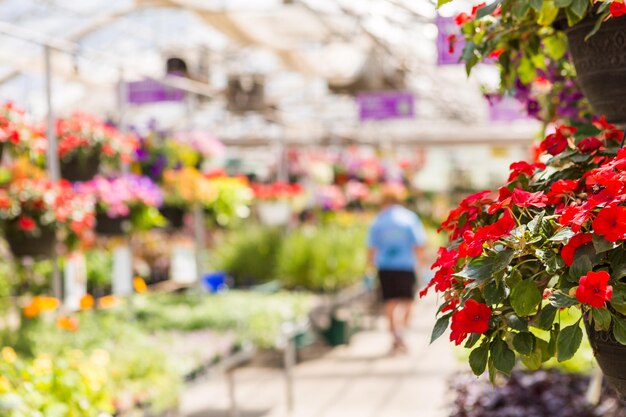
(397, 285)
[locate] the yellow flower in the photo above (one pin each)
(42, 365)
(8, 354)
(5, 385)
(140, 285)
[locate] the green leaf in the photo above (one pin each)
(568, 342)
(546, 318)
(548, 13)
(478, 359)
(502, 260)
(536, 4)
(619, 329)
(601, 245)
(520, 9)
(503, 357)
(561, 300)
(440, 327)
(494, 293)
(597, 25)
(516, 322)
(572, 18)
(525, 297)
(492, 371)
(562, 3)
(487, 10)
(524, 343)
(513, 278)
(562, 235)
(442, 2)
(581, 266)
(555, 46)
(534, 224)
(579, 7)
(480, 270)
(554, 336)
(534, 360)
(601, 319)
(526, 70)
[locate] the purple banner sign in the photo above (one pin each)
(386, 105)
(507, 109)
(151, 91)
(447, 27)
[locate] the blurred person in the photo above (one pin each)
(396, 242)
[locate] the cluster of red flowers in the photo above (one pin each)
(276, 191)
(83, 132)
(16, 129)
(34, 203)
(589, 205)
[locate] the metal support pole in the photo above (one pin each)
(289, 362)
(230, 380)
(52, 160)
(200, 241)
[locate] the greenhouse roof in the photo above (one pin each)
(305, 49)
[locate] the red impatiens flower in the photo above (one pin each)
(554, 143)
(523, 198)
(472, 318)
(593, 289)
(27, 224)
(561, 189)
(523, 167)
(617, 8)
(574, 216)
(445, 258)
(461, 18)
(589, 144)
(569, 250)
(611, 223)
(495, 54)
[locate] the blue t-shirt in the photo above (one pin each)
(395, 234)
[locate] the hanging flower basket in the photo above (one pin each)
(80, 167)
(175, 216)
(24, 245)
(600, 63)
(610, 355)
(274, 213)
(112, 226)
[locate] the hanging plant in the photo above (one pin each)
(552, 238)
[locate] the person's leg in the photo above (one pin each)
(390, 314)
(407, 313)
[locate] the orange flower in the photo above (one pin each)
(86, 302)
(40, 304)
(108, 301)
(140, 285)
(67, 323)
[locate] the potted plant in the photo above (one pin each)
(124, 203)
(525, 37)
(274, 201)
(85, 142)
(182, 189)
(35, 210)
(552, 238)
(18, 133)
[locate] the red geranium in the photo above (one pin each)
(611, 223)
(593, 289)
(472, 318)
(554, 144)
(589, 144)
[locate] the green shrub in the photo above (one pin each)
(323, 258)
(249, 254)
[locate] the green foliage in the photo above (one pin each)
(323, 258)
(249, 254)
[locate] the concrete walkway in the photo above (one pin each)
(359, 380)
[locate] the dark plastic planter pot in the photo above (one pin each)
(23, 245)
(80, 169)
(601, 65)
(174, 215)
(111, 226)
(611, 357)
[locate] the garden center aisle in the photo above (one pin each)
(359, 380)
